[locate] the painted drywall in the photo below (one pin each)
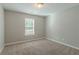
(1, 27)
(14, 26)
(63, 26)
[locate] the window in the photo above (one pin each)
(29, 26)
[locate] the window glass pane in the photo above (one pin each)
(29, 28)
(29, 23)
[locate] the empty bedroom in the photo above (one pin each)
(39, 29)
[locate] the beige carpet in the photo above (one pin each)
(39, 47)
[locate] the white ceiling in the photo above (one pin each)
(31, 9)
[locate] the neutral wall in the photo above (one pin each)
(64, 26)
(14, 23)
(1, 28)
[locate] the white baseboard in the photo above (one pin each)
(17, 42)
(63, 43)
(1, 49)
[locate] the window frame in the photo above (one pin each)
(29, 32)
